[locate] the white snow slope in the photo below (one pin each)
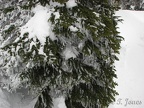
(130, 68)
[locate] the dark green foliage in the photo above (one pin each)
(87, 80)
(9, 9)
(44, 98)
(10, 29)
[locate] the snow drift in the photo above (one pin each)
(130, 68)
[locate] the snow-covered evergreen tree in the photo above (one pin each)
(66, 50)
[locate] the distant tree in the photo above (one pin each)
(86, 77)
(131, 4)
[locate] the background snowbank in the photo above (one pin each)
(130, 68)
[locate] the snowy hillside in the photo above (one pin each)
(129, 69)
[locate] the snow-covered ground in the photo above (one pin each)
(130, 68)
